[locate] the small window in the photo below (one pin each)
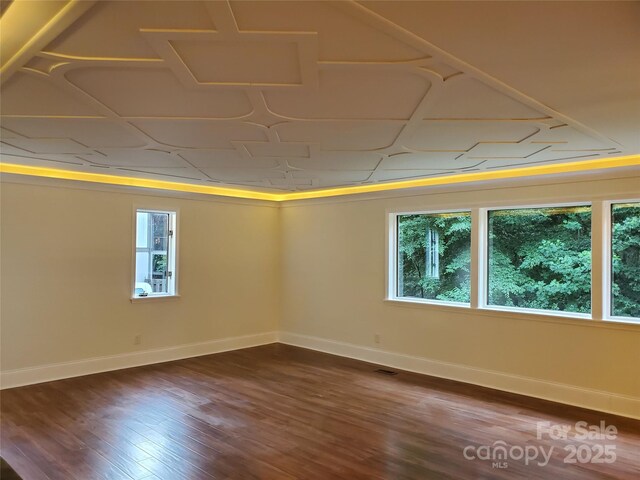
(540, 258)
(625, 260)
(155, 258)
(433, 257)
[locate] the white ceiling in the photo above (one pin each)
(306, 95)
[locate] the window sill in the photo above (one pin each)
(409, 301)
(623, 320)
(154, 298)
(530, 315)
(533, 311)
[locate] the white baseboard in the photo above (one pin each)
(626, 406)
(57, 371)
(558, 392)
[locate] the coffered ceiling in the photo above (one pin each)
(288, 96)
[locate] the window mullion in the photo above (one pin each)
(150, 247)
(171, 254)
(166, 253)
(478, 253)
(599, 251)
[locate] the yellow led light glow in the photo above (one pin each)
(571, 167)
(132, 181)
(581, 166)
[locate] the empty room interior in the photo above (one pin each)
(319, 240)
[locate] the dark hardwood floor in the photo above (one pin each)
(280, 412)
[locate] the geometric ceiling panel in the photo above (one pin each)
(23, 155)
(6, 134)
(333, 177)
(43, 64)
(297, 182)
(200, 133)
(28, 94)
(277, 150)
(92, 132)
(426, 160)
(225, 159)
(463, 135)
(7, 147)
(390, 175)
(505, 150)
(531, 161)
(175, 174)
(152, 92)
(48, 145)
(566, 138)
(549, 154)
(111, 29)
(300, 95)
(340, 37)
(243, 174)
(49, 160)
(344, 161)
(134, 158)
(241, 61)
(179, 173)
(345, 135)
(348, 94)
(466, 97)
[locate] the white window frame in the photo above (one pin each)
(607, 273)
(484, 291)
(392, 258)
(600, 261)
(172, 254)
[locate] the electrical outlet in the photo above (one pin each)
(137, 340)
(376, 339)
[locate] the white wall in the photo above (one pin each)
(334, 286)
(66, 266)
(314, 270)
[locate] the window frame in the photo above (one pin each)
(607, 267)
(600, 261)
(392, 258)
(172, 254)
(483, 300)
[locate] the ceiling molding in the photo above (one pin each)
(278, 98)
(11, 178)
(28, 26)
(609, 164)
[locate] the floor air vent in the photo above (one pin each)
(386, 372)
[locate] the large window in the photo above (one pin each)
(434, 256)
(155, 253)
(529, 259)
(625, 260)
(540, 258)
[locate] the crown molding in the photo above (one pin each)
(594, 169)
(11, 178)
(479, 186)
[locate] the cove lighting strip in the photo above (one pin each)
(570, 167)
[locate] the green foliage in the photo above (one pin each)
(541, 258)
(454, 246)
(625, 240)
(538, 258)
(159, 263)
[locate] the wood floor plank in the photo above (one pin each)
(19, 461)
(283, 413)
